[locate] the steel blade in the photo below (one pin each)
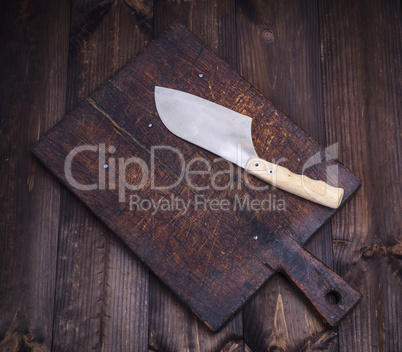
(213, 127)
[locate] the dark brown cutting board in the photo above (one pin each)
(205, 255)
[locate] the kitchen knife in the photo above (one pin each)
(221, 131)
(227, 133)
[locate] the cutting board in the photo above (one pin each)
(196, 231)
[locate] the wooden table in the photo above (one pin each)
(67, 283)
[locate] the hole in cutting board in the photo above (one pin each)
(333, 297)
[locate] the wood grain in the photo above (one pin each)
(102, 289)
(126, 296)
(361, 47)
(172, 326)
(188, 250)
(213, 21)
(33, 66)
(278, 48)
(278, 52)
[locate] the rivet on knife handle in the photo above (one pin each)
(300, 185)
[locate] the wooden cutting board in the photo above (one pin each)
(200, 240)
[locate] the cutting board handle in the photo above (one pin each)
(331, 295)
(300, 185)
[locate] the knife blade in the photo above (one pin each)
(227, 134)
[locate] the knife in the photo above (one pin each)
(227, 134)
(221, 130)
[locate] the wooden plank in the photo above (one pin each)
(102, 289)
(278, 48)
(126, 301)
(213, 263)
(213, 21)
(172, 326)
(361, 51)
(33, 65)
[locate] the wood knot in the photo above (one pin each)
(381, 251)
(235, 346)
(367, 252)
(268, 35)
(28, 337)
(374, 250)
(36, 347)
(10, 343)
(396, 250)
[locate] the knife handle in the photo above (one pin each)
(317, 282)
(299, 185)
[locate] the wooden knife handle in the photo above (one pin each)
(299, 185)
(317, 282)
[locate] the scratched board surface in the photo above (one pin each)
(191, 217)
